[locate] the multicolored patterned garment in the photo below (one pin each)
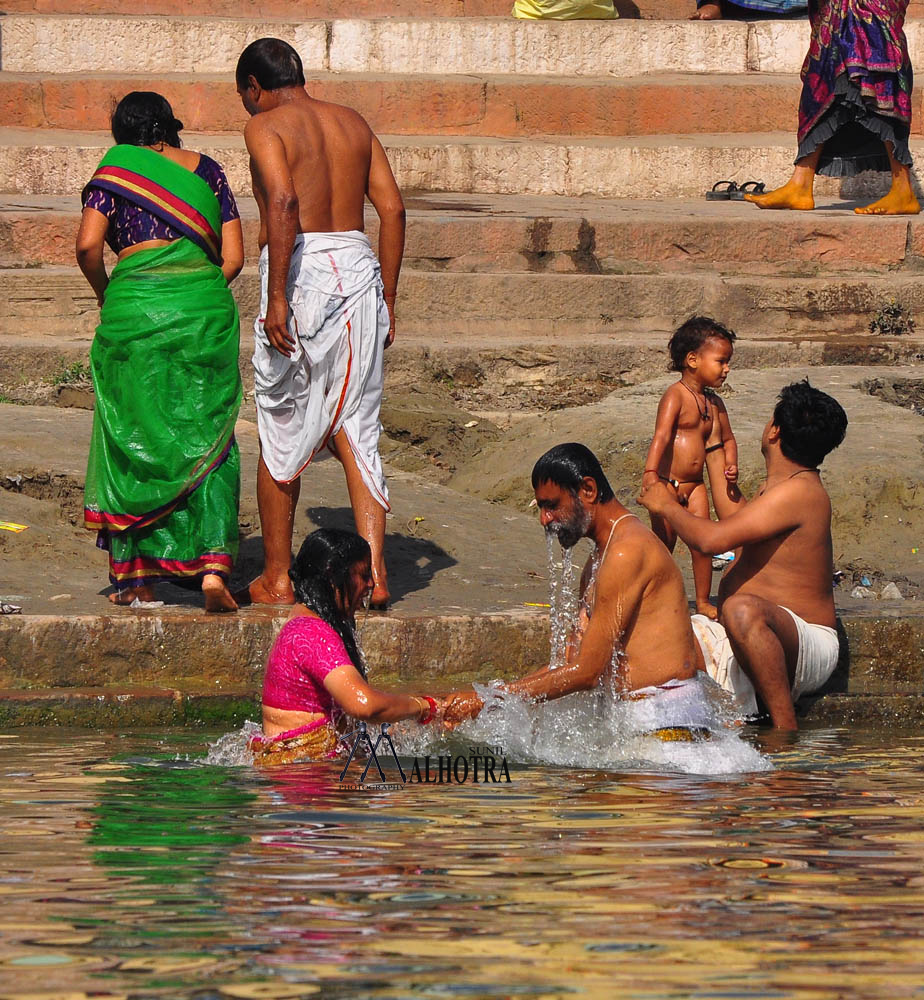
(163, 474)
(131, 223)
(856, 85)
(315, 741)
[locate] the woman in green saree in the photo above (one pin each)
(163, 475)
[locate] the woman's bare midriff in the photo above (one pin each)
(281, 720)
(146, 245)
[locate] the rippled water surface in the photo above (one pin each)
(131, 871)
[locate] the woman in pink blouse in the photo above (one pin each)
(315, 672)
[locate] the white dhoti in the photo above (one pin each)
(819, 650)
(333, 380)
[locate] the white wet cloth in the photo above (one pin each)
(673, 705)
(818, 654)
(334, 378)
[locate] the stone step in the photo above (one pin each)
(443, 47)
(517, 233)
(181, 653)
(152, 668)
(661, 104)
(661, 10)
(55, 305)
(59, 162)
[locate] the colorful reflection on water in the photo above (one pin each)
(130, 871)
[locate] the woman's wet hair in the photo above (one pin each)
(567, 465)
(691, 336)
(321, 571)
(811, 423)
(143, 118)
(273, 63)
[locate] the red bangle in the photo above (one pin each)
(431, 715)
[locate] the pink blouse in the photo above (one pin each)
(306, 650)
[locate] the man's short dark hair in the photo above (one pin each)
(566, 465)
(811, 423)
(691, 336)
(273, 63)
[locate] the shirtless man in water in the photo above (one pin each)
(775, 636)
(637, 605)
(327, 309)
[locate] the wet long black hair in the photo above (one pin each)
(143, 118)
(321, 572)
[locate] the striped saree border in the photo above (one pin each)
(158, 200)
(100, 520)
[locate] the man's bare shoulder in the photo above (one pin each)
(631, 554)
(346, 117)
(260, 126)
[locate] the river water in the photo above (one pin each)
(131, 868)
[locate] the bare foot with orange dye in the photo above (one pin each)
(217, 596)
(708, 609)
(125, 597)
(261, 591)
(899, 201)
(790, 196)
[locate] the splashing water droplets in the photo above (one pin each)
(563, 614)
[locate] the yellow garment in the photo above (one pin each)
(681, 734)
(565, 10)
(296, 745)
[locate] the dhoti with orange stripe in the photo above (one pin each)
(334, 378)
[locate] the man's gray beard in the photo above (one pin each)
(570, 532)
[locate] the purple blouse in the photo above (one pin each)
(130, 224)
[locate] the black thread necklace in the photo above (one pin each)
(703, 413)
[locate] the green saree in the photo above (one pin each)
(163, 475)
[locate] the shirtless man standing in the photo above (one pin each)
(637, 606)
(327, 309)
(775, 636)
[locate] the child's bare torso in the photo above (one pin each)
(687, 452)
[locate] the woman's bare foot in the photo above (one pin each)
(125, 597)
(260, 591)
(217, 596)
(790, 195)
(708, 609)
(899, 201)
(708, 12)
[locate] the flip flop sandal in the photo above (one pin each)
(720, 193)
(748, 187)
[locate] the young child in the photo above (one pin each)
(688, 415)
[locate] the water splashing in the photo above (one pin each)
(600, 730)
(563, 613)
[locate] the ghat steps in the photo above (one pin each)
(537, 149)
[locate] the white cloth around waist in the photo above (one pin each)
(819, 650)
(333, 379)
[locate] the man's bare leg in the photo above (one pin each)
(276, 503)
(707, 12)
(901, 199)
(368, 514)
(217, 596)
(797, 192)
(766, 645)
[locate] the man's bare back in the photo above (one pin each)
(328, 151)
(794, 567)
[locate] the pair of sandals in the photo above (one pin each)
(730, 191)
